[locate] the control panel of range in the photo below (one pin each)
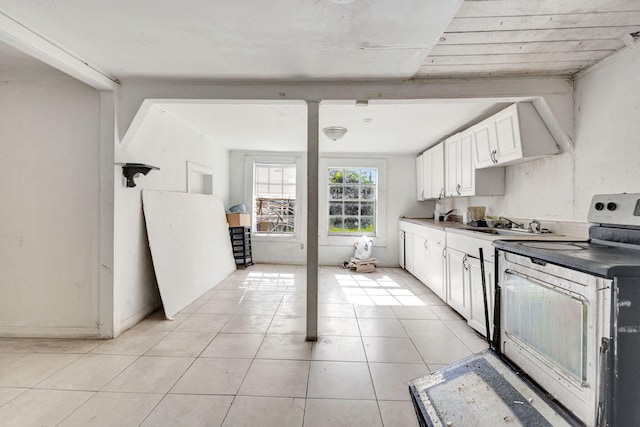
(618, 209)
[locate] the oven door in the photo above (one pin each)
(552, 319)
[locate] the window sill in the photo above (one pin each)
(275, 238)
(349, 240)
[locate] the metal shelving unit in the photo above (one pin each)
(241, 245)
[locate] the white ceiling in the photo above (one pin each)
(322, 40)
(395, 127)
(242, 39)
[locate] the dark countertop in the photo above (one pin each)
(588, 257)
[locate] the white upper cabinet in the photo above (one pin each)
(462, 178)
(437, 171)
(430, 173)
(420, 177)
(451, 165)
(466, 171)
(515, 134)
(426, 174)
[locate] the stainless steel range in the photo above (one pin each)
(569, 313)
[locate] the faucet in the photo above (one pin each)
(511, 223)
(534, 226)
(446, 216)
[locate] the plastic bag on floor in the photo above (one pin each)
(364, 246)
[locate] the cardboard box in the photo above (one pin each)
(239, 220)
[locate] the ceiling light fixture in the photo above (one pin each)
(334, 132)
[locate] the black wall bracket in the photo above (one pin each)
(130, 170)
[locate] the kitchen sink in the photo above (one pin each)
(504, 232)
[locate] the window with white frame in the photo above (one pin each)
(274, 198)
(352, 201)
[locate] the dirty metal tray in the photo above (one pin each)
(481, 390)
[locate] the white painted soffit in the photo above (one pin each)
(246, 39)
(382, 127)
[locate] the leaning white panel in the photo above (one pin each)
(190, 245)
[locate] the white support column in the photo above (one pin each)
(107, 148)
(312, 219)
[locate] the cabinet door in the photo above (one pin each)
(485, 136)
(508, 143)
(436, 278)
(451, 156)
(476, 313)
(420, 257)
(467, 170)
(401, 249)
(437, 171)
(426, 175)
(458, 286)
(408, 252)
(420, 178)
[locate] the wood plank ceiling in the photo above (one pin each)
(544, 37)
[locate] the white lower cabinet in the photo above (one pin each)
(435, 277)
(465, 278)
(428, 246)
(408, 252)
(476, 308)
(401, 249)
(458, 295)
(448, 263)
(421, 254)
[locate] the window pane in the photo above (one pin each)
(262, 174)
(275, 190)
(336, 175)
(351, 208)
(274, 202)
(289, 190)
(335, 225)
(336, 191)
(351, 192)
(368, 209)
(367, 192)
(359, 192)
(335, 208)
(369, 176)
(275, 174)
(289, 175)
(351, 225)
(367, 224)
(352, 175)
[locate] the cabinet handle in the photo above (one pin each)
(441, 194)
(464, 263)
(494, 156)
(444, 252)
(458, 189)
(425, 244)
(402, 235)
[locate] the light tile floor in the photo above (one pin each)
(238, 357)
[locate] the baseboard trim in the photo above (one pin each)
(48, 332)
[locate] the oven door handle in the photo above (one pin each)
(555, 288)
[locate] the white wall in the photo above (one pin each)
(605, 158)
(167, 142)
(607, 130)
(401, 200)
(49, 215)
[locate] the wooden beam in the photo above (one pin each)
(24, 39)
